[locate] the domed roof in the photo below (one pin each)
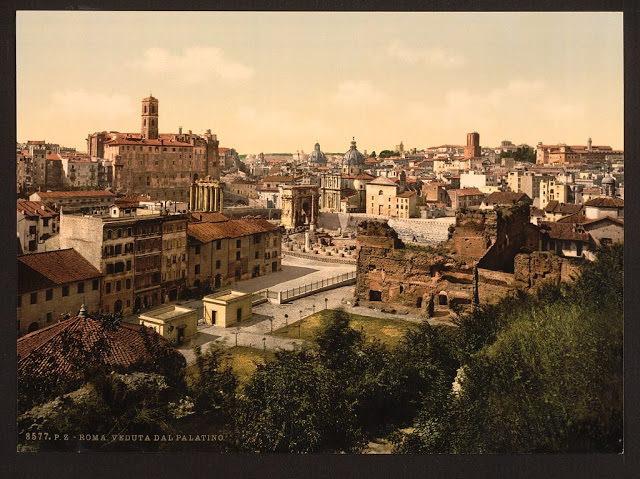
(353, 156)
(608, 180)
(316, 155)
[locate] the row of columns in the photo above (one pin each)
(207, 198)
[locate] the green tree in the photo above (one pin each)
(294, 405)
(541, 373)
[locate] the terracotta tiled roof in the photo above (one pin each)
(35, 208)
(208, 217)
(58, 350)
(383, 181)
(468, 192)
(617, 221)
(206, 232)
(564, 209)
(363, 176)
(281, 179)
(564, 231)
(506, 198)
(54, 157)
(406, 194)
(606, 202)
(74, 194)
(50, 268)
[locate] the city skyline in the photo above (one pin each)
(280, 81)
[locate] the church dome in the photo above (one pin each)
(608, 180)
(353, 156)
(316, 155)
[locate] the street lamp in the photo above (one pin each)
(236, 333)
(326, 300)
(300, 312)
(286, 319)
(314, 309)
(264, 344)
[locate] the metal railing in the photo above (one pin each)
(318, 257)
(308, 288)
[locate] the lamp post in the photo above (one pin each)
(326, 300)
(236, 333)
(300, 312)
(286, 319)
(314, 309)
(264, 344)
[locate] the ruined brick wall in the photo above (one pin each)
(509, 229)
(473, 234)
(533, 269)
(391, 272)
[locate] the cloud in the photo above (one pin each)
(433, 56)
(278, 123)
(358, 93)
(90, 104)
(194, 65)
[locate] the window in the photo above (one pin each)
(119, 235)
(218, 264)
(34, 298)
(119, 267)
(118, 247)
(238, 243)
(94, 285)
(108, 234)
(107, 288)
(197, 269)
(32, 230)
(218, 244)
(128, 284)
(65, 290)
(45, 221)
(80, 287)
(118, 285)
(48, 295)
(198, 249)
(237, 255)
(128, 265)
(109, 268)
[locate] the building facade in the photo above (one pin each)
(162, 166)
(224, 252)
(53, 284)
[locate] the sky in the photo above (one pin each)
(282, 81)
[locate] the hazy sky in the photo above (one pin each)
(279, 82)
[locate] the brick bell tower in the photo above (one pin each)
(150, 118)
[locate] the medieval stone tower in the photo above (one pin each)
(150, 118)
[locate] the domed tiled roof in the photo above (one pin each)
(316, 155)
(353, 156)
(608, 180)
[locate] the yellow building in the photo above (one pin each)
(227, 308)
(175, 323)
(381, 194)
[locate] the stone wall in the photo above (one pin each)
(532, 270)
(475, 264)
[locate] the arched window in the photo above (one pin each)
(380, 192)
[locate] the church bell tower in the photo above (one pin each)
(150, 118)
